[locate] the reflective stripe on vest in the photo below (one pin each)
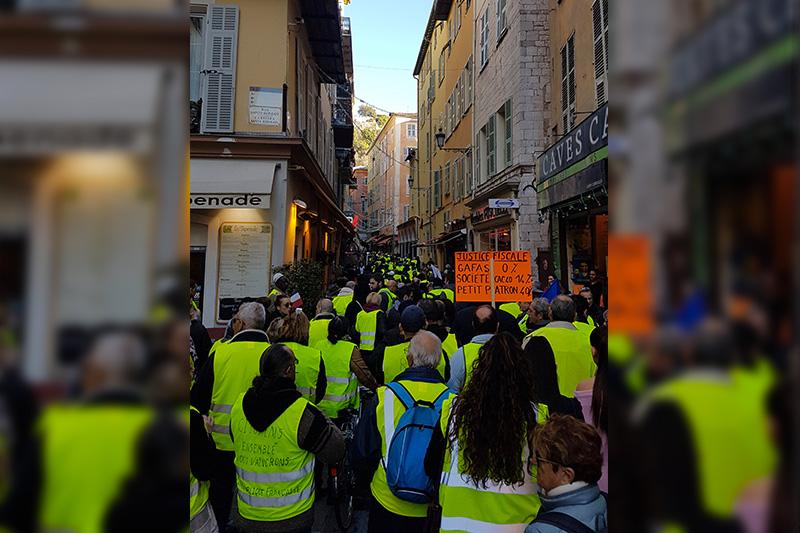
(367, 326)
(498, 507)
(307, 369)
(342, 388)
(573, 355)
(730, 434)
(388, 413)
(198, 490)
(88, 452)
(235, 366)
(274, 475)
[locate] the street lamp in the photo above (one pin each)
(440, 143)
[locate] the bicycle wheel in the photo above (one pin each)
(343, 506)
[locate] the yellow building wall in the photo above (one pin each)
(566, 19)
(261, 55)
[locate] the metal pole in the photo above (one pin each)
(491, 276)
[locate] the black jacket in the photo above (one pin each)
(200, 395)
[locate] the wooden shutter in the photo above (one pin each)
(599, 20)
(222, 25)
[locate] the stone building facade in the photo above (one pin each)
(512, 84)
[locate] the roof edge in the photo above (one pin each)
(438, 7)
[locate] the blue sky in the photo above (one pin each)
(386, 39)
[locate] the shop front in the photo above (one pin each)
(493, 229)
(252, 212)
(572, 190)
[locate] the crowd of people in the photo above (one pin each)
(474, 417)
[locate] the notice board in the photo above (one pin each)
(245, 249)
(493, 276)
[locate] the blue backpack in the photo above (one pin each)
(405, 464)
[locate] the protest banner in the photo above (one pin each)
(493, 276)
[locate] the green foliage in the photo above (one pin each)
(366, 131)
(306, 277)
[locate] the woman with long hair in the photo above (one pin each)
(539, 354)
(591, 393)
(344, 368)
(292, 331)
(486, 484)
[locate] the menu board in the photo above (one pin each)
(245, 249)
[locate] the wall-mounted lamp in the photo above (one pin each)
(299, 203)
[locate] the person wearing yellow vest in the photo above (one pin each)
(388, 513)
(201, 460)
(482, 447)
(343, 299)
(395, 358)
(705, 437)
(84, 453)
(277, 436)
(388, 294)
(538, 314)
(344, 369)
(368, 332)
(229, 371)
(567, 457)
(318, 327)
(485, 325)
(434, 315)
(581, 321)
(571, 347)
(293, 332)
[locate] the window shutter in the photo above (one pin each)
(220, 69)
(600, 53)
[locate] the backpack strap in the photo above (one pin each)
(402, 394)
(563, 521)
(439, 401)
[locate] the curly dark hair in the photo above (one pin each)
(493, 416)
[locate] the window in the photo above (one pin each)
(484, 35)
(600, 24)
(480, 149)
(437, 200)
(458, 18)
(468, 3)
(452, 118)
(447, 123)
(441, 67)
(491, 147)
(469, 184)
(468, 77)
(458, 179)
(501, 19)
(447, 179)
(436, 36)
(411, 131)
(568, 84)
(219, 86)
(462, 89)
(508, 127)
(405, 213)
(196, 53)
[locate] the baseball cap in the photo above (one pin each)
(412, 319)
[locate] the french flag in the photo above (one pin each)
(296, 300)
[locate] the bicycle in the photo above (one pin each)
(341, 479)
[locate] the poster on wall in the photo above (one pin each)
(245, 249)
(266, 106)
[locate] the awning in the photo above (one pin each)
(447, 237)
(235, 176)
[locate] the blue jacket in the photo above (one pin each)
(585, 504)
